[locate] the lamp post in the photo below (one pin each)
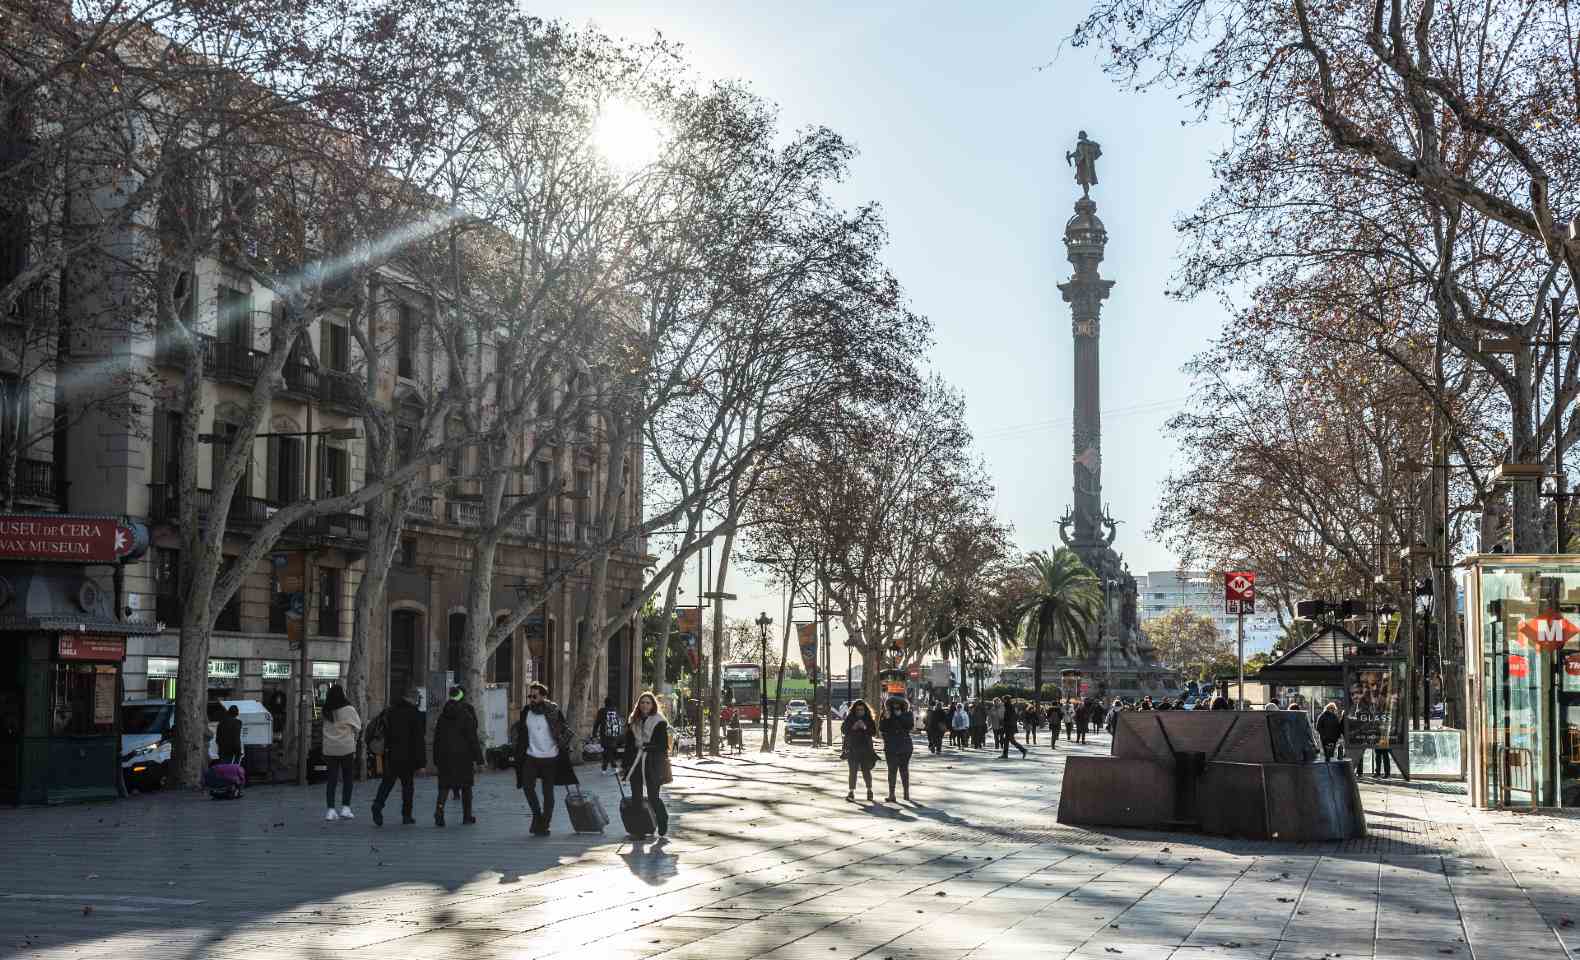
(764, 621)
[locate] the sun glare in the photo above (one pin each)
(627, 136)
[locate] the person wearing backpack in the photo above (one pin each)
(402, 729)
(609, 728)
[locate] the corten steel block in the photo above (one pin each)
(1263, 736)
(1238, 804)
(1313, 801)
(1112, 792)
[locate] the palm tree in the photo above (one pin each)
(1060, 608)
(959, 635)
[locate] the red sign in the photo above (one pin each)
(1239, 591)
(1550, 631)
(1572, 665)
(1519, 667)
(915, 671)
(69, 539)
(90, 646)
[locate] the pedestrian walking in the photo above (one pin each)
(341, 726)
(227, 736)
(859, 727)
(1111, 718)
(456, 753)
(1055, 717)
(1083, 720)
(979, 725)
(937, 724)
(405, 755)
(1330, 729)
(1221, 702)
(897, 744)
(1033, 720)
(1069, 720)
(959, 723)
(543, 739)
(646, 758)
(996, 721)
(1008, 731)
(609, 729)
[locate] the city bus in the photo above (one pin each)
(743, 689)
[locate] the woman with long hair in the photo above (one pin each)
(645, 757)
(341, 726)
(898, 746)
(859, 728)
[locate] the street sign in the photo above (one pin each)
(1550, 631)
(1239, 591)
(1519, 667)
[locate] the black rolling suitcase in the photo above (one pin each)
(637, 817)
(586, 812)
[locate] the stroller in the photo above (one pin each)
(225, 781)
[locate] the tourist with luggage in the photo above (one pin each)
(341, 727)
(542, 739)
(646, 768)
(1007, 734)
(404, 732)
(457, 751)
(609, 730)
(859, 727)
(1330, 729)
(897, 744)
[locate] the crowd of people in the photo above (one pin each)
(635, 747)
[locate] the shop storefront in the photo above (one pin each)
(62, 647)
(1522, 669)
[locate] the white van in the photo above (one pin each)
(148, 727)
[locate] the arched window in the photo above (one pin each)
(457, 638)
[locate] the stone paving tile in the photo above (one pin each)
(767, 860)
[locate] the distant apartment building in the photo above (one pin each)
(1200, 592)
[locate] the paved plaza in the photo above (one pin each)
(769, 860)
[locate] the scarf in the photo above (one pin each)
(644, 735)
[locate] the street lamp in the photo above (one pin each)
(764, 621)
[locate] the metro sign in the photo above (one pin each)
(1550, 631)
(1239, 591)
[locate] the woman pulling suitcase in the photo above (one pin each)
(646, 768)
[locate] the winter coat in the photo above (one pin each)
(656, 770)
(405, 738)
(1009, 720)
(456, 747)
(1330, 727)
(227, 737)
(560, 730)
(996, 716)
(858, 733)
(1082, 717)
(937, 721)
(896, 730)
(341, 727)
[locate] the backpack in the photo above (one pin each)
(376, 730)
(613, 725)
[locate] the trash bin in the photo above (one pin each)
(256, 761)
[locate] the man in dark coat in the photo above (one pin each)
(227, 736)
(1330, 730)
(542, 738)
(456, 752)
(405, 754)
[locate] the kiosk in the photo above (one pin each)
(1522, 678)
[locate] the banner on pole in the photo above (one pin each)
(806, 636)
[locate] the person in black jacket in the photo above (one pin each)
(1007, 732)
(859, 728)
(456, 752)
(609, 731)
(1330, 729)
(405, 754)
(227, 736)
(937, 724)
(645, 758)
(896, 727)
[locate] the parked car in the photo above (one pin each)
(148, 730)
(798, 725)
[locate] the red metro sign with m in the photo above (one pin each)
(1550, 631)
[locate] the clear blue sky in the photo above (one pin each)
(962, 113)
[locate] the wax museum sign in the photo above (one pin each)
(70, 539)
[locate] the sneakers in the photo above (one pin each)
(330, 814)
(346, 814)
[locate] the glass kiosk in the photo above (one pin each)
(1522, 670)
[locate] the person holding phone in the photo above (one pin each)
(859, 728)
(897, 744)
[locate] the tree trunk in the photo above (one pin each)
(715, 673)
(191, 754)
(1036, 670)
(771, 734)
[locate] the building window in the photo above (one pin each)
(408, 552)
(235, 321)
(84, 699)
(328, 602)
(167, 586)
(406, 341)
(336, 352)
(334, 472)
(286, 470)
(503, 662)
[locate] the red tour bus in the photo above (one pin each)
(743, 689)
